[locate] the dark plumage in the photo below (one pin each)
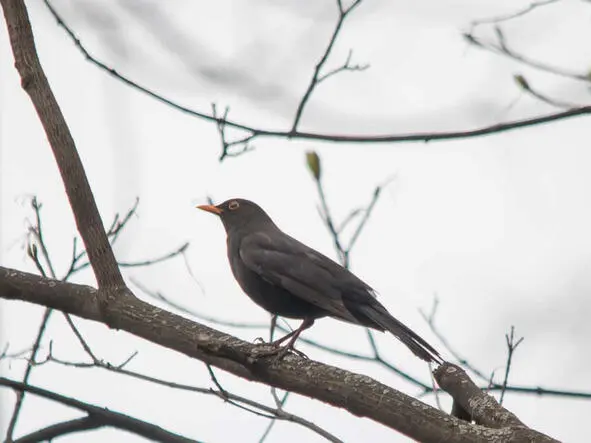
(287, 278)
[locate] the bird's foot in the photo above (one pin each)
(274, 350)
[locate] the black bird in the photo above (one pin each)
(287, 278)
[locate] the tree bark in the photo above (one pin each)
(359, 394)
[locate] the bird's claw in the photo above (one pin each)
(272, 350)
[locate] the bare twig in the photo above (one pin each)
(520, 13)
(223, 394)
(10, 355)
(106, 416)
(526, 86)
(335, 138)
(330, 225)
(430, 319)
(279, 403)
(366, 214)
(511, 346)
(347, 66)
(226, 145)
(316, 77)
(157, 295)
(343, 252)
(20, 395)
(54, 431)
(80, 338)
(37, 231)
(115, 229)
(503, 49)
(178, 251)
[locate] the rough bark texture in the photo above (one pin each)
(79, 193)
(359, 394)
(483, 408)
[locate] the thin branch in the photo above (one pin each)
(157, 295)
(511, 346)
(51, 432)
(507, 17)
(525, 86)
(316, 77)
(80, 338)
(226, 145)
(37, 231)
(221, 393)
(348, 219)
(279, 403)
(430, 319)
(503, 49)
(153, 261)
(347, 66)
(330, 225)
(115, 229)
(366, 214)
(225, 395)
(109, 417)
(333, 138)
(20, 395)
(10, 355)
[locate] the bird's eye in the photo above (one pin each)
(233, 205)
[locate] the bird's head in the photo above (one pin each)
(238, 213)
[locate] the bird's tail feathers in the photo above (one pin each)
(412, 340)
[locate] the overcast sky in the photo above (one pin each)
(496, 227)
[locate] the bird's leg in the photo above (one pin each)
(293, 336)
(277, 342)
(307, 323)
(272, 328)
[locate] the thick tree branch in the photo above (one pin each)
(35, 83)
(104, 416)
(253, 132)
(359, 394)
(483, 408)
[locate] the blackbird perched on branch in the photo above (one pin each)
(287, 278)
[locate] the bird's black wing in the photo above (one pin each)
(313, 277)
(304, 272)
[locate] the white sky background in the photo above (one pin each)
(497, 227)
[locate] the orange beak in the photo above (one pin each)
(210, 208)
